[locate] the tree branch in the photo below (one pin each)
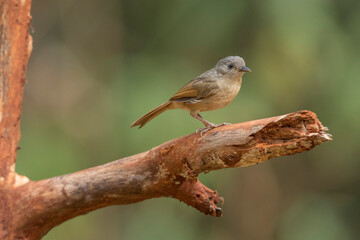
(168, 170)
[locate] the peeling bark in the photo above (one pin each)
(168, 170)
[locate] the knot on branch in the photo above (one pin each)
(197, 195)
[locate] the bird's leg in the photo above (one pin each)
(208, 125)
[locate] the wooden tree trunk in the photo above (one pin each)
(15, 50)
(29, 209)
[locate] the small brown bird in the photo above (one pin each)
(212, 90)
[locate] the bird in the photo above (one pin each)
(214, 89)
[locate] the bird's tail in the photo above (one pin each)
(153, 113)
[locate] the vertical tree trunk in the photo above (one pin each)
(15, 49)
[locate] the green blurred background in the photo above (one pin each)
(99, 65)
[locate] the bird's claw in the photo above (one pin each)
(208, 128)
(204, 130)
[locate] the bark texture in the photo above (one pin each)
(15, 49)
(168, 170)
(29, 209)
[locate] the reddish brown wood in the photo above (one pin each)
(168, 170)
(15, 49)
(29, 209)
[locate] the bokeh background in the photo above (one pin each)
(99, 65)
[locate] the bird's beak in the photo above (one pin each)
(245, 69)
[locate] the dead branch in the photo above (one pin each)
(168, 170)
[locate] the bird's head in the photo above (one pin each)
(232, 66)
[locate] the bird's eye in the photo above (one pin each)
(230, 66)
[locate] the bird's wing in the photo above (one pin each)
(196, 90)
(186, 92)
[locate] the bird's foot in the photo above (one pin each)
(204, 130)
(208, 128)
